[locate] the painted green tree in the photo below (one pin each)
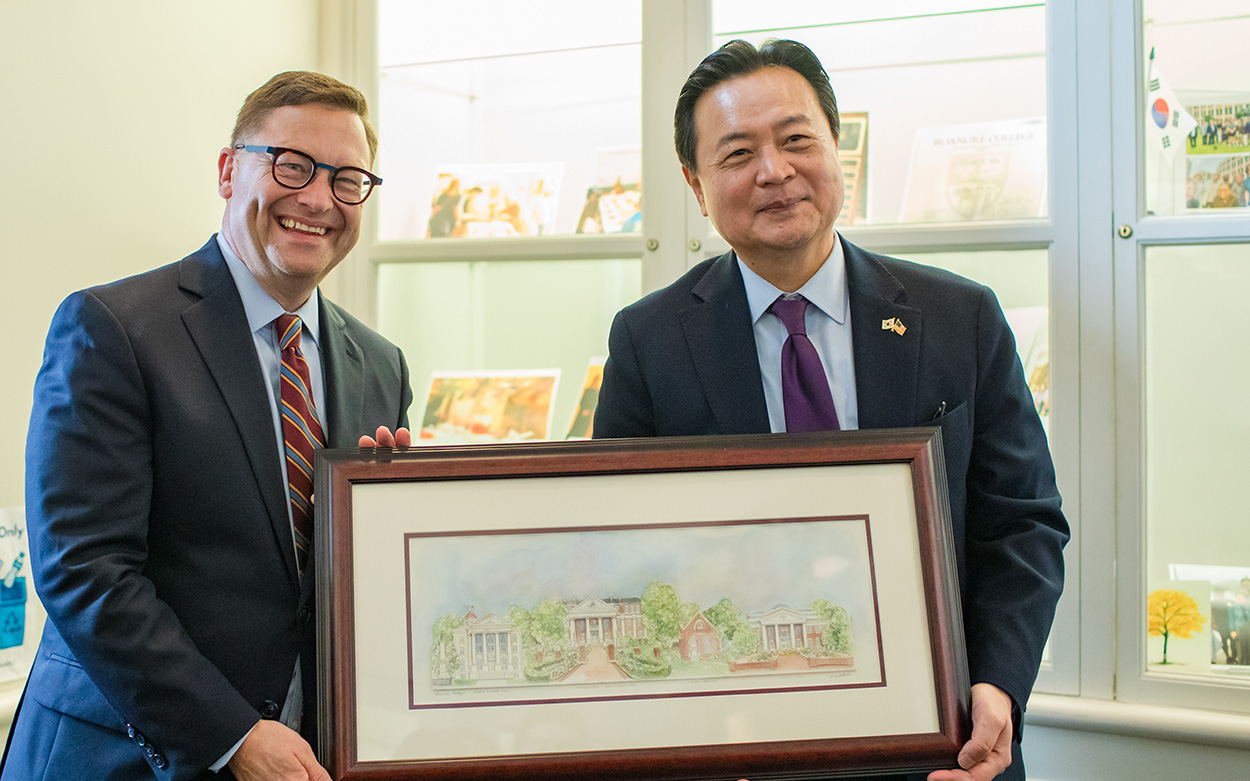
(661, 613)
(738, 639)
(445, 660)
(837, 634)
(688, 611)
(547, 622)
(521, 619)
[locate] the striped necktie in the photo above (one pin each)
(301, 431)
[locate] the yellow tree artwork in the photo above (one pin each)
(1170, 612)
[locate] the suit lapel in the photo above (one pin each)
(722, 345)
(344, 377)
(886, 362)
(218, 326)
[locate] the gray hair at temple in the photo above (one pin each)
(740, 58)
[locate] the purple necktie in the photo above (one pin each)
(804, 386)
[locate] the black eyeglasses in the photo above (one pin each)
(295, 169)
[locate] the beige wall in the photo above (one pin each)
(113, 114)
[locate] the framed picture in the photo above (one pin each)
(583, 424)
(980, 171)
(755, 607)
(853, 155)
(491, 201)
(488, 406)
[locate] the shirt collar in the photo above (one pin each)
(826, 289)
(259, 306)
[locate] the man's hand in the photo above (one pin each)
(384, 438)
(274, 752)
(988, 752)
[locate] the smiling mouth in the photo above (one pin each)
(296, 225)
(779, 206)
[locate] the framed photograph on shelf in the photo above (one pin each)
(488, 406)
(662, 609)
(853, 154)
(583, 424)
(982, 171)
(1217, 181)
(614, 202)
(488, 201)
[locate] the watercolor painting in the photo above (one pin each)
(701, 607)
(488, 406)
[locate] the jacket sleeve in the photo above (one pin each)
(1014, 526)
(89, 487)
(625, 406)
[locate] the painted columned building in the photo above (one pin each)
(784, 627)
(489, 647)
(592, 622)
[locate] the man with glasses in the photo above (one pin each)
(796, 329)
(168, 491)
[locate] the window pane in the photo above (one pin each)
(1197, 109)
(500, 318)
(1020, 280)
(1197, 424)
(916, 145)
(541, 112)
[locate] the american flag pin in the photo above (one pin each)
(895, 325)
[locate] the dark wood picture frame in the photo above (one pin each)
(339, 472)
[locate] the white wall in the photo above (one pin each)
(113, 115)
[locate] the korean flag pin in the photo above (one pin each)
(895, 325)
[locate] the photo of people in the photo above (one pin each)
(483, 201)
(1221, 129)
(1217, 181)
(614, 202)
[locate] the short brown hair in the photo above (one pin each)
(740, 58)
(300, 88)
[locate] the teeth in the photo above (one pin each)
(289, 223)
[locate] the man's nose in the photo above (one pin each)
(318, 194)
(774, 167)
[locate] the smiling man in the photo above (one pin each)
(797, 329)
(168, 469)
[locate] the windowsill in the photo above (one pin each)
(1183, 725)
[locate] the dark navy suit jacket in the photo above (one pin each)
(682, 361)
(159, 534)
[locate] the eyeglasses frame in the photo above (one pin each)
(276, 151)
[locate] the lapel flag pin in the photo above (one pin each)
(895, 325)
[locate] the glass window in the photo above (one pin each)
(1197, 108)
(1019, 278)
(504, 121)
(506, 319)
(916, 147)
(1197, 422)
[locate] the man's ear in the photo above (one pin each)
(692, 179)
(225, 173)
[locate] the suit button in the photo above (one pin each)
(305, 614)
(159, 761)
(142, 741)
(130, 731)
(151, 752)
(269, 710)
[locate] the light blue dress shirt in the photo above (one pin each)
(828, 321)
(262, 311)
